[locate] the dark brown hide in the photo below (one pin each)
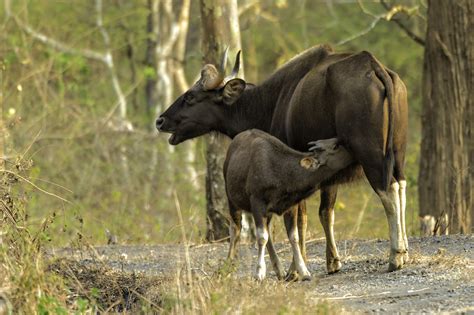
(318, 94)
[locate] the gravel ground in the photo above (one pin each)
(438, 278)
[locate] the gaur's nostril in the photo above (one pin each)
(159, 122)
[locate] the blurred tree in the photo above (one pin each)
(3, 129)
(220, 24)
(167, 28)
(166, 45)
(447, 149)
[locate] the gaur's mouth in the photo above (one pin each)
(173, 139)
(184, 132)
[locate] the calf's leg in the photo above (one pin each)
(290, 218)
(277, 267)
(326, 216)
(292, 273)
(234, 231)
(259, 211)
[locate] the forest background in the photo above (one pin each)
(81, 91)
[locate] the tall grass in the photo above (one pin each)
(25, 285)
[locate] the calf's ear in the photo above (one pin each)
(309, 163)
(232, 91)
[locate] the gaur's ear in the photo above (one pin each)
(309, 163)
(232, 91)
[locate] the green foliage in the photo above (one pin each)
(64, 114)
(50, 305)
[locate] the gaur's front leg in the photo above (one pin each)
(302, 225)
(326, 216)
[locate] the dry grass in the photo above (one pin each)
(32, 283)
(231, 295)
(26, 286)
(108, 289)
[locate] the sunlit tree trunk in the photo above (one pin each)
(446, 181)
(2, 127)
(220, 25)
(167, 27)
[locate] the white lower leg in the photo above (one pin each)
(391, 202)
(403, 204)
(262, 238)
(332, 239)
(297, 257)
(246, 229)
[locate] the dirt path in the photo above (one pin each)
(439, 277)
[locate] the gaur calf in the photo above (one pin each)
(264, 177)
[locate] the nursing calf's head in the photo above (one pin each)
(327, 153)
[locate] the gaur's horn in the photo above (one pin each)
(235, 70)
(223, 65)
(210, 77)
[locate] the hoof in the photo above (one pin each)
(291, 276)
(306, 278)
(259, 277)
(334, 266)
(396, 261)
(406, 257)
(394, 267)
(281, 276)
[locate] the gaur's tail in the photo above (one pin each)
(389, 158)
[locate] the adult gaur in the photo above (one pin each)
(319, 94)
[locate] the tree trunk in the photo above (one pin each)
(3, 130)
(447, 149)
(220, 26)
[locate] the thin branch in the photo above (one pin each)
(110, 62)
(389, 17)
(361, 33)
(247, 6)
(35, 186)
(105, 57)
(87, 53)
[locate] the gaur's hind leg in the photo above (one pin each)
(277, 267)
(291, 225)
(326, 216)
(391, 202)
(403, 203)
(400, 178)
